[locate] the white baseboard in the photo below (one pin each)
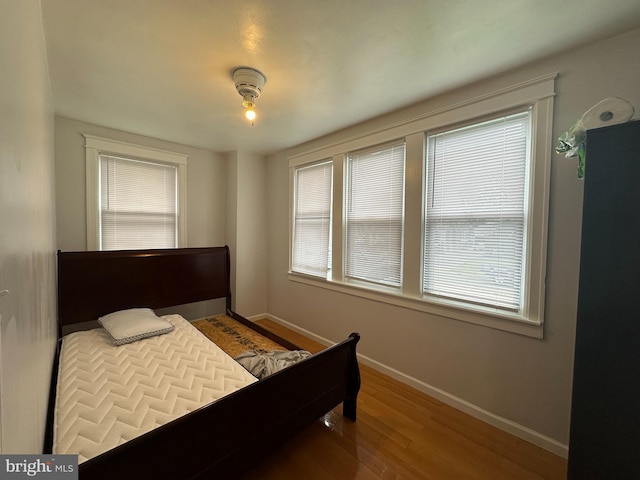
(475, 411)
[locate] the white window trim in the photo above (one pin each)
(538, 94)
(96, 146)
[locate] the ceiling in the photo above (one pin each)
(162, 68)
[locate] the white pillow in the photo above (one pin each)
(127, 326)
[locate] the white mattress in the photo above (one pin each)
(108, 395)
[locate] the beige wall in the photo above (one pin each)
(206, 185)
(27, 229)
(519, 383)
(246, 231)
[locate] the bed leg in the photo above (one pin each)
(349, 406)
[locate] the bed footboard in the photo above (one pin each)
(228, 436)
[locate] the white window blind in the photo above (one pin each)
(476, 211)
(138, 204)
(311, 253)
(374, 214)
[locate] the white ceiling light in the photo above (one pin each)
(249, 83)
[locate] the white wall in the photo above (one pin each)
(231, 220)
(27, 229)
(522, 384)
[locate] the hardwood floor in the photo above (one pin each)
(402, 433)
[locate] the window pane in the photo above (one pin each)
(138, 204)
(312, 220)
(374, 214)
(474, 247)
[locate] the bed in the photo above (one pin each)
(224, 437)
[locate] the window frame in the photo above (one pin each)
(296, 216)
(537, 94)
(348, 185)
(526, 189)
(96, 146)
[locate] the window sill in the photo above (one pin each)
(477, 315)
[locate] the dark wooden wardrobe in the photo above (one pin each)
(605, 413)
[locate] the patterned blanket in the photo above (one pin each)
(233, 337)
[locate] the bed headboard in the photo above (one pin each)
(92, 284)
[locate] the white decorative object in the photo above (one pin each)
(610, 111)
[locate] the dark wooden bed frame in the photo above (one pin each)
(224, 438)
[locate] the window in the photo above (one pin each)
(138, 207)
(374, 212)
(136, 196)
(445, 213)
(475, 212)
(312, 220)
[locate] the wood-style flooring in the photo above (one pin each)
(402, 433)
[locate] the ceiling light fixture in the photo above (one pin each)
(249, 83)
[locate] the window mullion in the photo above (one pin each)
(412, 272)
(337, 240)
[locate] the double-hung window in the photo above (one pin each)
(445, 213)
(136, 196)
(475, 211)
(374, 214)
(311, 246)
(138, 204)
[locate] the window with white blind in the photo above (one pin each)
(374, 214)
(445, 213)
(475, 212)
(138, 204)
(136, 196)
(311, 249)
